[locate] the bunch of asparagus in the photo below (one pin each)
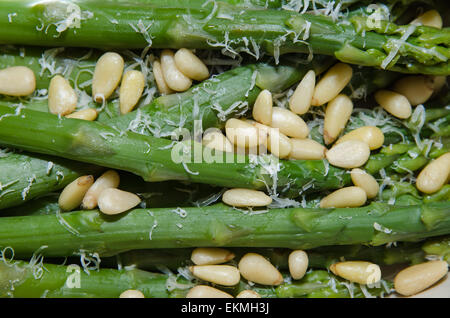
(250, 47)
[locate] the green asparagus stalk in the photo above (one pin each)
(220, 225)
(318, 258)
(219, 25)
(235, 91)
(76, 65)
(437, 247)
(25, 176)
(36, 279)
(156, 159)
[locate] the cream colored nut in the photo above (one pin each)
(211, 256)
(246, 197)
(278, 144)
(109, 179)
(131, 89)
(216, 140)
(72, 195)
(190, 65)
(435, 174)
(257, 269)
(365, 181)
(298, 264)
(132, 293)
(159, 79)
(431, 18)
(371, 135)
(300, 101)
(172, 75)
(62, 99)
(85, 114)
(306, 149)
(114, 201)
(357, 271)
(337, 114)
(243, 134)
(225, 275)
(107, 74)
(438, 83)
(414, 279)
(394, 103)
(262, 109)
(288, 123)
(203, 291)
(417, 88)
(248, 294)
(348, 154)
(331, 84)
(348, 197)
(17, 81)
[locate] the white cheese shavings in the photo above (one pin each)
(381, 228)
(396, 46)
(63, 14)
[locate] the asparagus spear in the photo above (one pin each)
(76, 65)
(220, 225)
(36, 279)
(220, 25)
(235, 90)
(154, 159)
(321, 257)
(26, 176)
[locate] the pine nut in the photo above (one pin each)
(278, 144)
(371, 135)
(348, 154)
(132, 293)
(85, 114)
(337, 114)
(203, 291)
(438, 83)
(72, 195)
(159, 79)
(243, 134)
(114, 201)
(435, 174)
(172, 75)
(348, 197)
(246, 197)
(394, 103)
(357, 271)
(62, 99)
(298, 264)
(17, 81)
(331, 84)
(417, 89)
(262, 109)
(211, 256)
(131, 89)
(288, 123)
(365, 181)
(107, 74)
(190, 65)
(217, 140)
(306, 149)
(109, 179)
(257, 269)
(414, 279)
(248, 294)
(225, 275)
(300, 101)
(431, 18)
